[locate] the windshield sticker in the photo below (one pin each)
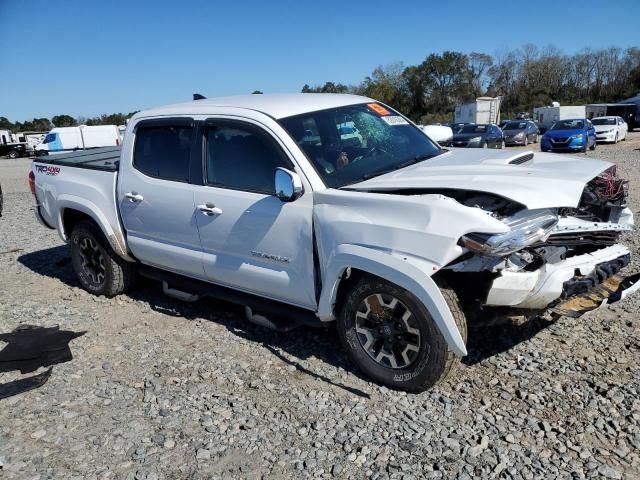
(395, 120)
(379, 109)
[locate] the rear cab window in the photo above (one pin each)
(163, 150)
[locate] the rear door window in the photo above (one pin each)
(163, 151)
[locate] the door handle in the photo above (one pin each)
(209, 209)
(134, 197)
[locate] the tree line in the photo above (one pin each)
(63, 120)
(526, 77)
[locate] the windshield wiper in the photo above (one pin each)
(406, 163)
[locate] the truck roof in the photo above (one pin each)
(276, 105)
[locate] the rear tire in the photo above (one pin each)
(13, 154)
(392, 338)
(98, 268)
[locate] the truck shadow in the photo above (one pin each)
(30, 347)
(294, 347)
(502, 334)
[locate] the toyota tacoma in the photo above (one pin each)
(259, 200)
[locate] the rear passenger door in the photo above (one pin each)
(252, 241)
(155, 197)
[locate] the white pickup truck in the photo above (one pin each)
(257, 199)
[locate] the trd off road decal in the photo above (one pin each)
(47, 169)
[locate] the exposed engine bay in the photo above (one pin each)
(549, 254)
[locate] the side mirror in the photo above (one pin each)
(288, 185)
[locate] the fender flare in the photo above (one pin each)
(71, 202)
(410, 273)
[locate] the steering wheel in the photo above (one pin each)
(369, 152)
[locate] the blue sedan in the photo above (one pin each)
(576, 134)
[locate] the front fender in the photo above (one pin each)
(113, 236)
(412, 274)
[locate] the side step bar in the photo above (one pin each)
(189, 289)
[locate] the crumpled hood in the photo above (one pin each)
(546, 181)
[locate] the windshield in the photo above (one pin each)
(515, 126)
(49, 138)
(568, 125)
(474, 129)
(380, 141)
(604, 121)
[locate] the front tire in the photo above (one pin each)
(392, 338)
(13, 154)
(593, 147)
(98, 268)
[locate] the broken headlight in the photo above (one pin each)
(525, 230)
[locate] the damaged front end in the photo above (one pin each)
(565, 260)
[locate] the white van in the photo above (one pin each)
(76, 138)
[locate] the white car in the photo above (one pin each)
(394, 240)
(438, 133)
(610, 129)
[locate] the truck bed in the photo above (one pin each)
(105, 158)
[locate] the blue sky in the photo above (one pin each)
(91, 57)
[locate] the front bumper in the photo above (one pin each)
(514, 140)
(610, 291)
(606, 137)
(572, 144)
(574, 276)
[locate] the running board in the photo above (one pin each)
(179, 294)
(190, 288)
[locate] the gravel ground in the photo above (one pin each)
(161, 389)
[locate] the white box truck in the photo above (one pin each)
(62, 139)
(545, 117)
(481, 110)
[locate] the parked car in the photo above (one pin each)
(442, 134)
(223, 197)
(576, 134)
(13, 150)
(520, 133)
(610, 129)
(484, 135)
(456, 127)
(62, 139)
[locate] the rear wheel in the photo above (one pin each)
(392, 338)
(13, 154)
(100, 270)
